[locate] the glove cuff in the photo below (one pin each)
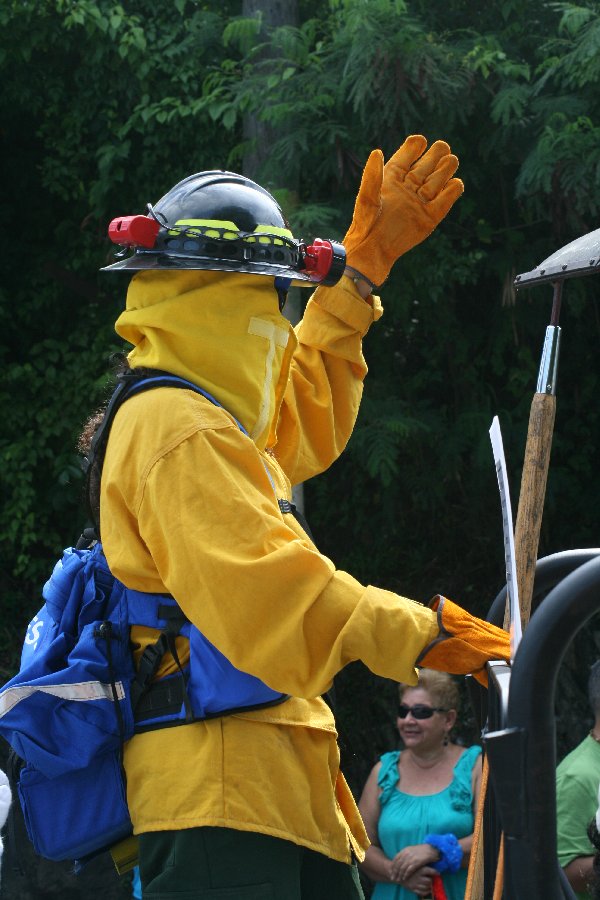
(437, 605)
(355, 275)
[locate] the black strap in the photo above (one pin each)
(147, 668)
(287, 507)
(86, 539)
(14, 764)
(189, 713)
(163, 698)
(106, 633)
(170, 703)
(153, 654)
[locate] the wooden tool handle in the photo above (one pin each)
(531, 498)
(527, 537)
(474, 886)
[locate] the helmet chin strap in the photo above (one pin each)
(282, 286)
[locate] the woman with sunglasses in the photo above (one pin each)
(418, 804)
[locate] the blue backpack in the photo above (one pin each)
(78, 696)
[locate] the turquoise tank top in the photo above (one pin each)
(405, 819)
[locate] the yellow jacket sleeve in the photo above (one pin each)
(324, 390)
(206, 526)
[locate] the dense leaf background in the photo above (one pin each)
(105, 105)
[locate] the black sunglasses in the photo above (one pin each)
(419, 711)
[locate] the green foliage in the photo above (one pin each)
(98, 117)
(556, 161)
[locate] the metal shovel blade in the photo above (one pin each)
(580, 257)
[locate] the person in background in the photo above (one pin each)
(5, 801)
(594, 836)
(577, 780)
(418, 804)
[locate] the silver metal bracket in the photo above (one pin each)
(546, 383)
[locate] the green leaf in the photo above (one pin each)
(229, 118)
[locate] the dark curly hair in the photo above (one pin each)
(120, 369)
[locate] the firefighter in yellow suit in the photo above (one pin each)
(253, 805)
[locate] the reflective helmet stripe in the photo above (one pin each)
(229, 230)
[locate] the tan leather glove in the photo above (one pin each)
(399, 204)
(464, 643)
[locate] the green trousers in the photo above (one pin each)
(223, 864)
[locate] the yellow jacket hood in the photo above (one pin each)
(196, 324)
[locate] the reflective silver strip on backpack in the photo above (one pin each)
(84, 690)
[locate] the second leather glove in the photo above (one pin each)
(465, 643)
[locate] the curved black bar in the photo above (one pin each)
(530, 845)
(548, 572)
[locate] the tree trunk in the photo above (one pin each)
(258, 134)
(259, 137)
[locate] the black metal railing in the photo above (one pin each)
(520, 735)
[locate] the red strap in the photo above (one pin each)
(437, 891)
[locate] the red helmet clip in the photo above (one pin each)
(317, 259)
(324, 261)
(136, 231)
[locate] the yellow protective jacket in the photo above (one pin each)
(189, 507)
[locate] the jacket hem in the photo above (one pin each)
(218, 822)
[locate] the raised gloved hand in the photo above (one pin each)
(464, 644)
(399, 204)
